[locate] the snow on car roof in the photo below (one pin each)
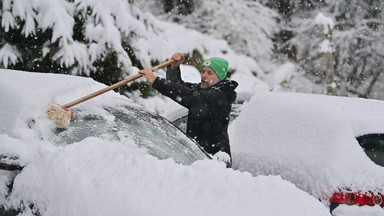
(308, 139)
(98, 176)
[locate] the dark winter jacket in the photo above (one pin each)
(209, 108)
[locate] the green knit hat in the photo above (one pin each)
(218, 65)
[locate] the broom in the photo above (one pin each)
(62, 115)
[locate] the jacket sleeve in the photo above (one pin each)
(187, 94)
(174, 90)
(174, 75)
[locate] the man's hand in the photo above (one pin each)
(148, 74)
(179, 59)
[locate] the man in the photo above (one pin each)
(208, 102)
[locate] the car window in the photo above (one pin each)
(181, 123)
(373, 145)
(151, 132)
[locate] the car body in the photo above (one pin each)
(331, 147)
(116, 159)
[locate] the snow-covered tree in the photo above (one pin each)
(360, 59)
(357, 40)
(78, 37)
(110, 40)
(75, 37)
(106, 40)
(246, 25)
(316, 56)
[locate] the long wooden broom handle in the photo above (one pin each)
(116, 85)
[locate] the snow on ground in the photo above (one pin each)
(108, 177)
(95, 177)
(345, 210)
(308, 140)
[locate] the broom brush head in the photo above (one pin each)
(60, 115)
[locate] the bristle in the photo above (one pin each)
(59, 115)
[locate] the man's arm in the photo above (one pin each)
(187, 94)
(177, 91)
(173, 70)
(173, 75)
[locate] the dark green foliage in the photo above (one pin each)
(182, 7)
(37, 53)
(30, 48)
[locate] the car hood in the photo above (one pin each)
(26, 95)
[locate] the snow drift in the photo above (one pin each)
(308, 140)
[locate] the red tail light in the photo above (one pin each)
(357, 198)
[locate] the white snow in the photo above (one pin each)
(7, 21)
(117, 23)
(326, 47)
(98, 176)
(325, 22)
(344, 210)
(308, 140)
(9, 54)
(281, 75)
(276, 134)
(29, 94)
(247, 26)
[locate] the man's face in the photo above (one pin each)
(208, 77)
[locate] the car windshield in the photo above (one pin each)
(151, 132)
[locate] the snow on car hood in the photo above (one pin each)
(96, 176)
(308, 140)
(26, 95)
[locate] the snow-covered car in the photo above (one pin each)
(117, 121)
(331, 147)
(117, 159)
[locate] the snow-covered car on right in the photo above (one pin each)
(331, 147)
